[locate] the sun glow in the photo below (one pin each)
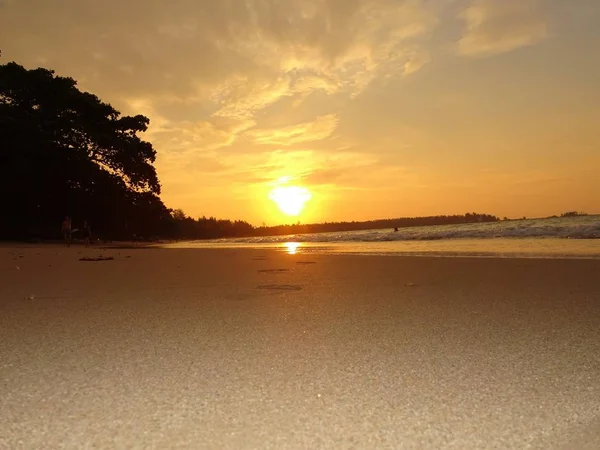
(290, 199)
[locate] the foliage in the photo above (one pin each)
(208, 228)
(573, 214)
(64, 152)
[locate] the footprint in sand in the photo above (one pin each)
(280, 287)
(272, 270)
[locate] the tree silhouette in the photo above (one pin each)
(65, 152)
(573, 214)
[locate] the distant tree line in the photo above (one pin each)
(64, 152)
(403, 222)
(210, 228)
(185, 227)
(573, 214)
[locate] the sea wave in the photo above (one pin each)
(587, 227)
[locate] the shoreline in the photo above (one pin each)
(474, 248)
(382, 249)
(302, 248)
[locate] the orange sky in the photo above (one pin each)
(381, 108)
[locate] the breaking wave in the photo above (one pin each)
(586, 227)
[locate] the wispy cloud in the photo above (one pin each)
(183, 136)
(208, 48)
(494, 26)
(321, 128)
(345, 170)
(319, 46)
(415, 61)
(242, 98)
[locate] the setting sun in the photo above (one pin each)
(290, 199)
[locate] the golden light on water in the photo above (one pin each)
(290, 199)
(291, 247)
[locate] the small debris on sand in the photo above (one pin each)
(272, 270)
(109, 258)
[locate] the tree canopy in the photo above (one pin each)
(64, 152)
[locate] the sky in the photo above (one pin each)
(376, 108)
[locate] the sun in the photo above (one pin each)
(290, 199)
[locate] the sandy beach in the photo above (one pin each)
(255, 349)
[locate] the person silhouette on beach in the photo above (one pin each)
(66, 230)
(87, 233)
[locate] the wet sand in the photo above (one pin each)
(242, 349)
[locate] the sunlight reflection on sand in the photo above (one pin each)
(291, 247)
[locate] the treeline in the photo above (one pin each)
(403, 222)
(573, 214)
(184, 227)
(211, 228)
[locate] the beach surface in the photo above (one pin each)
(257, 349)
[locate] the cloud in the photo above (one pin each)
(321, 128)
(305, 46)
(353, 171)
(185, 135)
(176, 46)
(415, 62)
(206, 135)
(344, 170)
(494, 26)
(241, 98)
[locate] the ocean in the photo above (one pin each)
(563, 237)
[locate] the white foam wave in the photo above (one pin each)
(587, 227)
